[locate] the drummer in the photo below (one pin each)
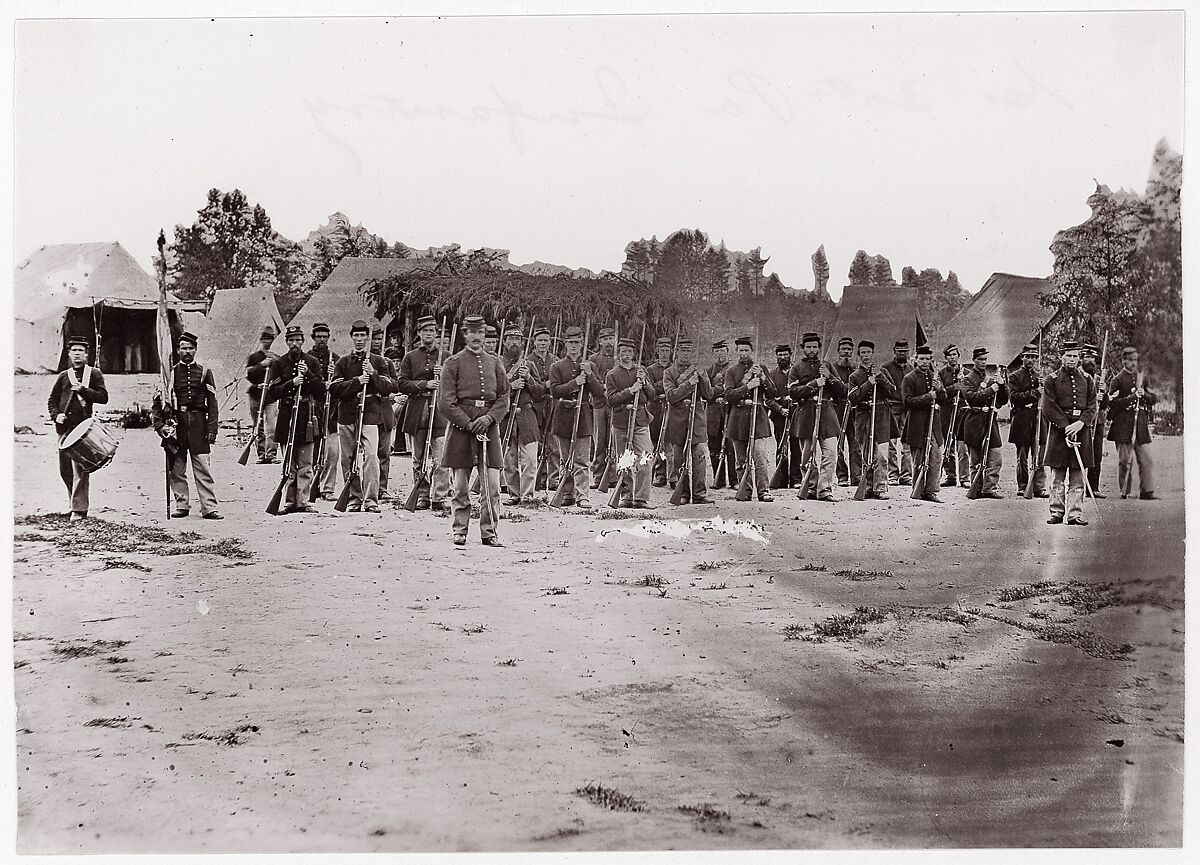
(75, 391)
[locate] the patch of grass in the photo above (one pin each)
(651, 581)
(112, 564)
(110, 723)
(618, 514)
(846, 627)
(78, 649)
(949, 614)
(555, 590)
(1029, 590)
(1087, 598)
(228, 738)
(565, 832)
(719, 588)
(510, 662)
(101, 536)
(114, 660)
(752, 798)
(475, 629)
(607, 797)
(859, 575)
(812, 566)
(1087, 642)
(713, 566)
(1109, 716)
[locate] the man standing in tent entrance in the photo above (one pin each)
(1069, 404)
(257, 366)
(75, 391)
(195, 396)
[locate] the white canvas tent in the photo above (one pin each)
(69, 289)
(229, 334)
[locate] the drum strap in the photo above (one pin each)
(86, 382)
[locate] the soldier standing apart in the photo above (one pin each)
(746, 386)
(657, 405)
(1069, 404)
(387, 416)
(567, 376)
(75, 391)
(951, 378)
(684, 381)
(1088, 362)
(326, 360)
(540, 361)
(623, 381)
(782, 422)
(473, 397)
(351, 374)
(899, 454)
(525, 389)
(196, 429)
(419, 370)
(980, 428)
(849, 460)
(922, 392)
(603, 361)
(1025, 392)
(718, 416)
(297, 369)
(1129, 398)
(869, 390)
(257, 365)
(805, 381)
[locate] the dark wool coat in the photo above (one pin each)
(195, 395)
(416, 370)
(656, 393)
(346, 389)
(980, 418)
(257, 376)
(717, 412)
(543, 404)
(472, 385)
(804, 394)
(860, 394)
(283, 370)
(914, 393)
(562, 385)
(1024, 392)
(326, 360)
(522, 415)
(1068, 396)
(897, 371)
(619, 397)
(741, 402)
(779, 405)
(1122, 407)
(842, 371)
(951, 379)
(680, 398)
(76, 406)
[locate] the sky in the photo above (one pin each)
(961, 142)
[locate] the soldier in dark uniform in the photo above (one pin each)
(195, 410)
(922, 392)
(1069, 404)
(899, 455)
(625, 380)
(868, 392)
(296, 369)
(1129, 398)
(569, 378)
(75, 391)
(747, 389)
(603, 361)
(418, 380)
(521, 425)
(540, 360)
(657, 406)
(984, 392)
(325, 361)
(257, 365)
(395, 354)
(787, 446)
(1025, 393)
(473, 396)
(718, 415)
(353, 372)
(956, 458)
(1088, 362)
(387, 415)
(806, 380)
(849, 459)
(688, 391)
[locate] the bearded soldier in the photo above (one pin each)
(688, 390)
(956, 458)
(293, 370)
(1069, 404)
(718, 417)
(1025, 393)
(899, 455)
(570, 377)
(781, 409)
(195, 396)
(602, 361)
(1131, 407)
(474, 397)
(849, 460)
(419, 371)
(657, 404)
(326, 360)
(922, 392)
(747, 389)
(1088, 362)
(869, 390)
(806, 381)
(75, 391)
(984, 393)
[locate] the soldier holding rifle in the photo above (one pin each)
(603, 361)
(1069, 405)
(747, 389)
(387, 415)
(257, 365)
(806, 382)
(1025, 392)
(576, 386)
(720, 449)
(900, 465)
(788, 454)
(688, 390)
(1087, 361)
(984, 393)
(657, 405)
(956, 457)
(540, 361)
(520, 434)
(195, 395)
(1131, 406)
(296, 372)
(473, 397)
(923, 394)
(353, 375)
(418, 378)
(327, 465)
(625, 381)
(869, 390)
(849, 460)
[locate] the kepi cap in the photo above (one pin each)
(359, 326)
(188, 336)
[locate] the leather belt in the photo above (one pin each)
(477, 403)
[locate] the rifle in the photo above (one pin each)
(869, 468)
(561, 492)
(322, 451)
(628, 473)
(783, 457)
(977, 481)
(289, 454)
(1140, 383)
(356, 464)
(683, 486)
(747, 488)
(506, 439)
(952, 435)
(485, 482)
(1074, 446)
(258, 422)
(606, 476)
(1038, 443)
(808, 485)
(426, 475)
(662, 438)
(544, 441)
(918, 488)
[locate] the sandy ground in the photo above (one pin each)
(358, 684)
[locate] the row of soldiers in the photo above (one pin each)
(565, 422)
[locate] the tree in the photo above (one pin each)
(820, 266)
(228, 246)
(716, 265)
(681, 268)
(756, 263)
(908, 277)
(860, 269)
(773, 287)
(881, 271)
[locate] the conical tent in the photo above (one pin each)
(1004, 316)
(229, 334)
(881, 314)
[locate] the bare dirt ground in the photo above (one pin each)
(878, 675)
